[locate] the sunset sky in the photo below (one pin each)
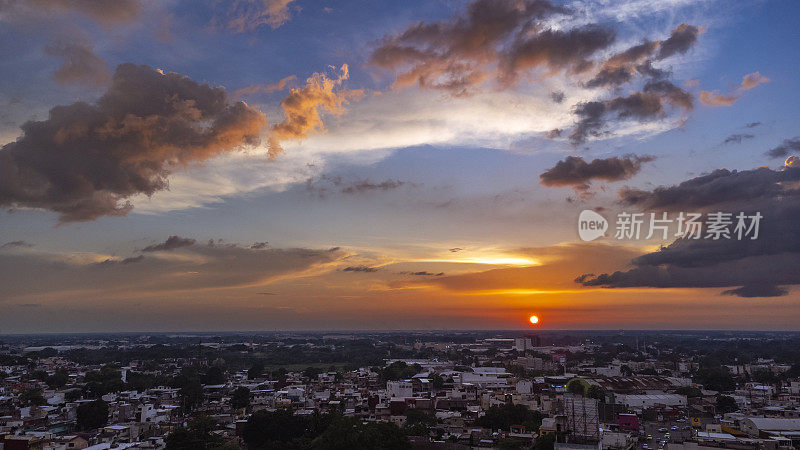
(220, 165)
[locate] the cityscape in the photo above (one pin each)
(416, 224)
(451, 390)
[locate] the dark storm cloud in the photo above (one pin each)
(737, 138)
(194, 268)
(367, 269)
(576, 172)
(16, 244)
(502, 39)
(259, 245)
(85, 159)
(767, 273)
(757, 290)
(720, 187)
(787, 146)
(752, 124)
(557, 96)
(590, 121)
(643, 106)
(172, 243)
(554, 133)
(640, 105)
(80, 64)
(367, 185)
(102, 11)
(671, 93)
(623, 66)
(423, 274)
(657, 92)
(757, 266)
(325, 184)
(555, 50)
(681, 39)
(131, 260)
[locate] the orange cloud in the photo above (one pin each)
(263, 88)
(749, 81)
(247, 15)
(752, 80)
(302, 107)
(714, 98)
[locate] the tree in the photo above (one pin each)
(191, 395)
(689, 391)
(517, 370)
(418, 422)
(214, 375)
(764, 376)
(196, 435)
(92, 415)
(255, 371)
(99, 383)
(716, 378)
(511, 444)
(240, 398)
(438, 381)
(32, 397)
(58, 379)
(311, 372)
(577, 386)
(399, 370)
(546, 442)
(72, 395)
(266, 430)
(40, 375)
(597, 392)
(502, 417)
(726, 404)
(347, 433)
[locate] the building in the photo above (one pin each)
(642, 401)
(770, 426)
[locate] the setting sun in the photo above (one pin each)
(534, 319)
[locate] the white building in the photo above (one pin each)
(641, 401)
(487, 377)
(399, 389)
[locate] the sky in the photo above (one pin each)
(223, 165)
